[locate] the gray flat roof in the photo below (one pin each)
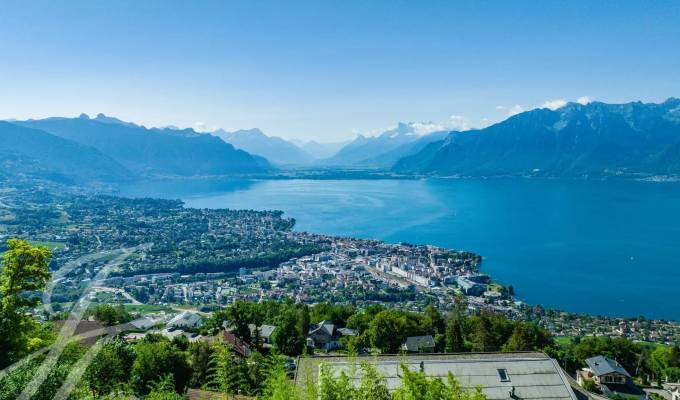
(533, 375)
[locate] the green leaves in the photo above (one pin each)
(24, 269)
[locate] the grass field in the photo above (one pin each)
(50, 245)
(146, 308)
(563, 340)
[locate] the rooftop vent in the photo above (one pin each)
(503, 375)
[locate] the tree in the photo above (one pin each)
(287, 338)
(373, 385)
(332, 388)
(389, 329)
(482, 335)
(337, 314)
(110, 315)
(164, 389)
(154, 361)
(240, 315)
(455, 341)
(526, 337)
(110, 369)
(24, 269)
(432, 321)
(385, 332)
(229, 372)
(278, 386)
(199, 355)
(362, 320)
(417, 386)
(620, 349)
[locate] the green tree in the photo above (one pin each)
(482, 335)
(455, 341)
(389, 329)
(154, 361)
(278, 386)
(526, 337)
(373, 385)
(335, 388)
(229, 372)
(24, 269)
(240, 315)
(164, 389)
(110, 315)
(362, 320)
(110, 369)
(287, 338)
(432, 321)
(337, 314)
(417, 386)
(199, 354)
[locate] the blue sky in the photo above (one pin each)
(330, 69)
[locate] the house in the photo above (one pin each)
(604, 370)
(525, 375)
(419, 344)
(147, 322)
(609, 376)
(185, 319)
(325, 335)
(265, 334)
(237, 345)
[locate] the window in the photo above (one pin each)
(503, 375)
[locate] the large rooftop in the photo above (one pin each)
(533, 375)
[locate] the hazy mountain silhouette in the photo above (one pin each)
(274, 149)
(383, 150)
(575, 140)
(153, 151)
(32, 152)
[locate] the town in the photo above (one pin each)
(205, 259)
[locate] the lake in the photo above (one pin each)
(598, 247)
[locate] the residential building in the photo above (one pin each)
(499, 375)
(185, 319)
(419, 344)
(609, 376)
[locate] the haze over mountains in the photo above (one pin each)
(576, 140)
(136, 150)
(37, 153)
(384, 150)
(274, 149)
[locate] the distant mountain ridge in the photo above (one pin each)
(153, 151)
(32, 152)
(319, 150)
(275, 149)
(384, 150)
(576, 140)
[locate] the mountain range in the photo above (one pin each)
(384, 150)
(154, 151)
(32, 152)
(274, 149)
(576, 140)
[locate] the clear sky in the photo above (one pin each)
(330, 69)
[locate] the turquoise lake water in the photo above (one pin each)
(605, 248)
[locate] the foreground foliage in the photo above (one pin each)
(23, 272)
